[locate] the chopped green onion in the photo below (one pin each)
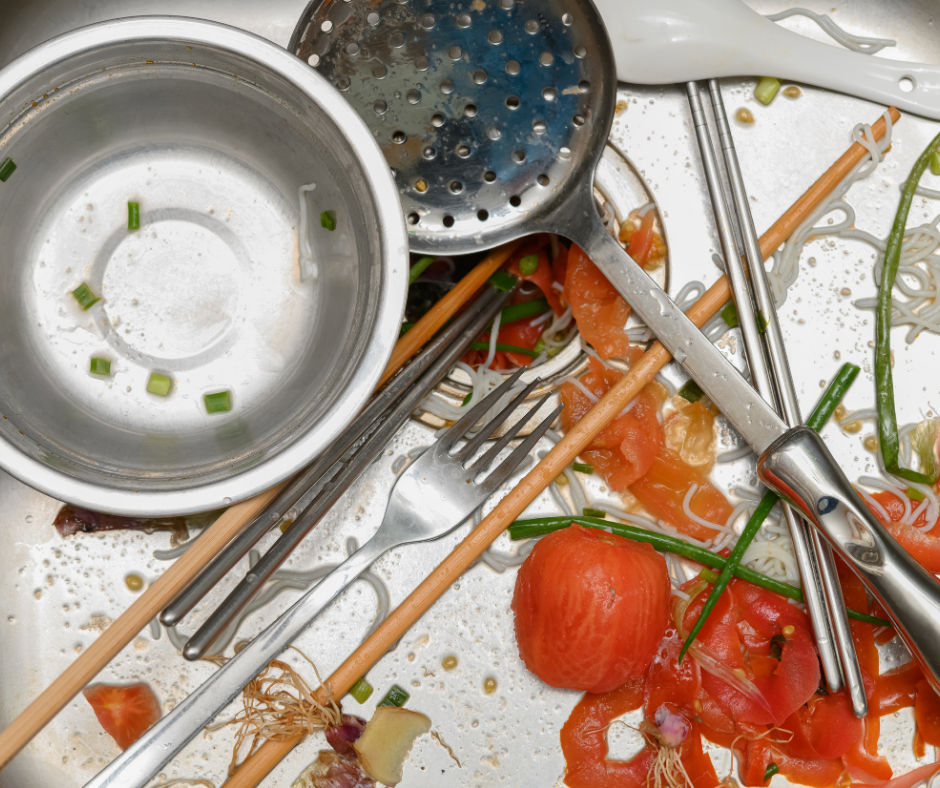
(361, 691)
(6, 169)
(730, 315)
(770, 771)
(529, 264)
(418, 268)
(526, 309)
(219, 402)
(550, 352)
(529, 529)
(588, 512)
(505, 348)
(133, 215)
(884, 381)
(396, 696)
(934, 162)
(761, 321)
(914, 494)
(691, 392)
(467, 399)
(100, 366)
(821, 414)
(405, 328)
(503, 281)
(766, 89)
(85, 297)
(777, 642)
(159, 384)
(582, 467)
(328, 220)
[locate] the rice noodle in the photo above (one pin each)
(734, 454)
(864, 44)
(581, 387)
(308, 266)
(687, 510)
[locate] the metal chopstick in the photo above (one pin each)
(355, 464)
(761, 376)
(324, 467)
(776, 350)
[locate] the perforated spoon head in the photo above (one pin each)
(491, 113)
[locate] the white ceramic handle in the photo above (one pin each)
(687, 40)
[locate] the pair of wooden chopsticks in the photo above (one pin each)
(258, 765)
(54, 698)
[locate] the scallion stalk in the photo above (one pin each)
(100, 366)
(582, 467)
(361, 691)
(821, 414)
(730, 315)
(503, 281)
(396, 696)
(598, 513)
(85, 297)
(328, 220)
(133, 215)
(884, 382)
(419, 268)
(159, 384)
(766, 89)
(934, 162)
(526, 309)
(6, 169)
(914, 494)
(770, 771)
(218, 402)
(691, 392)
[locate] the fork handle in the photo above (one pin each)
(799, 467)
(135, 767)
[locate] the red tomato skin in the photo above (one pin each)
(520, 333)
(670, 682)
(600, 311)
(641, 242)
(825, 728)
(923, 545)
(813, 772)
(927, 714)
(125, 712)
(590, 609)
(896, 689)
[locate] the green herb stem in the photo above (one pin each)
(419, 268)
(582, 467)
(521, 311)
(821, 414)
(884, 382)
(770, 771)
(529, 529)
(133, 215)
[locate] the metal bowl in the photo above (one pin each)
(212, 130)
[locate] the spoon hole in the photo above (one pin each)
(515, 201)
(907, 84)
(448, 221)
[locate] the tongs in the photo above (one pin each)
(770, 373)
(334, 471)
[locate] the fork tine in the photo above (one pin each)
(491, 426)
(507, 466)
(464, 425)
(486, 460)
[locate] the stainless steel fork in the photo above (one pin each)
(431, 498)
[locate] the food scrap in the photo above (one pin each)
(124, 712)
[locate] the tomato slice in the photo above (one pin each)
(124, 712)
(896, 689)
(813, 772)
(671, 683)
(600, 311)
(927, 714)
(824, 728)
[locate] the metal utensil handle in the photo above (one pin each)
(801, 469)
(362, 457)
(157, 747)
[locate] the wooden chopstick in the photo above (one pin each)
(258, 765)
(149, 604)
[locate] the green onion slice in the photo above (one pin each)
(133, 215)
(361, 691)
(219, 402)
(159, 384)
(730, 315)
(766, 89)
(770, 771)
(85, 297)
(529, 264)
(6, 169)
(100, 366)
(691, 392)
(582, 467)
(396, 696)
(503, 281)
(328, 220)
(588, 512)
(934, 162)
(520, 311)
(914, 494)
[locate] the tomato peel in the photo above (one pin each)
(125, 712)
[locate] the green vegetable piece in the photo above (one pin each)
(691, 392)
(396, 696)
(133, 216)
(730, 315)
(583, 467)
(100, 366)
(361, 691)
(934, 162)
(417, 269)
(766, 89)
(526, 309)
(467, 399)
(219, 402)
(328, 220)
(821, 414)
(588, 512)
(85, 297)
(884, 380)
(6, 169)
(529, 264)
(502, 281)
(530, 529)
(772, 768)
(159, 384)
(506, 348)
(761, 321)
(777, 643)
(914, 494)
